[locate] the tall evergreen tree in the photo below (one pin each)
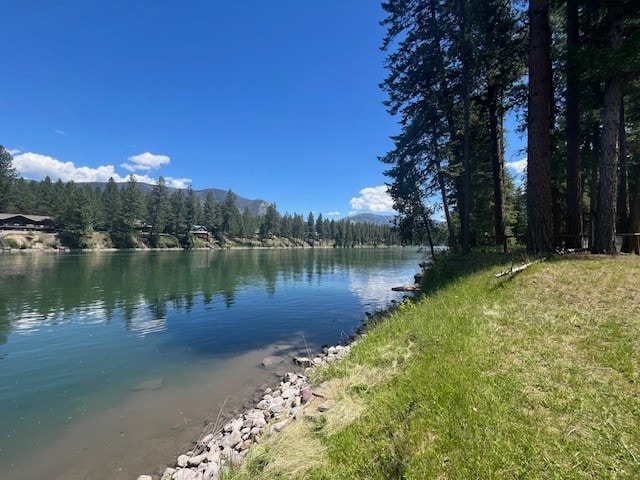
(540, 230)
(574, 224)
(605, 228)
(7, 176)
(111, 206)
(158, 206)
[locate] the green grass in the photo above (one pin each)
(534, 375)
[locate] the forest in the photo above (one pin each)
(568, 70)
(167, 217)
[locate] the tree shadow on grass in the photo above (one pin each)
(452, 267)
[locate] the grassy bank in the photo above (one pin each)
(533, 375)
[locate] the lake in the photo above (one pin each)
(111, 363)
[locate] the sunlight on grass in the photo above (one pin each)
(533, 375)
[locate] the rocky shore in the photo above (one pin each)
(218, 448)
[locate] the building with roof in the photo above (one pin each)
(19, 221)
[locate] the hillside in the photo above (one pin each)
(374, 218)
(256, 207)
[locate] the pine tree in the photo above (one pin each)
(7, 176)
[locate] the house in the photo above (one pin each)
(199, 231)
(18, 221)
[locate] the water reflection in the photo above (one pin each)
(40, 290)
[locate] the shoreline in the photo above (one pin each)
(37, 242)
(221, 447)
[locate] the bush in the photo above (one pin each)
(13, 243)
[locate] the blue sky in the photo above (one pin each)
(274, 100)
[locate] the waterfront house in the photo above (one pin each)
(19, 221)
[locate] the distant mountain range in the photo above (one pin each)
(374, 218)
(257, 207)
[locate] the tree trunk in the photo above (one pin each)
(623, 180)
(495, 134)
(445, 205)
(605, 236)
(574, 227)
(593, 182)
(539, 214)
(632, 244)
(465, 213)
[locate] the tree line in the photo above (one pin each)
(568, 69)
(168, 217)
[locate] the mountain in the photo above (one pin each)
(257, 207)
(372, 218)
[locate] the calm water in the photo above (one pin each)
(110, 363)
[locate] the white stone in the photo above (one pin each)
(289, 393)
(183, 460)
(212, 472)
(197, 460)
(168, 473)
(185, 474)
(232, 439)
(277, 427)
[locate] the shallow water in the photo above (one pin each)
(111, 363)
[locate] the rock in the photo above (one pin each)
(213, 456)
(168, 473)
(290, 377)
(233, 425)
(206, 439)
(277, 427)
(185, 474)
(183, 460)
(226, 453)
(276, 409)
(236, 458)
(324, 407)
(307, 395)
(197, 460)
(289, 393)
(259, 422)
(154, 384)
(264, 405)
(272, 360)
(242, 446)
(145, 477)
(317, 361)
(231, 440)
(303, 361)
(212, 472)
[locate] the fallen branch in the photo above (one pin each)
(515, 270)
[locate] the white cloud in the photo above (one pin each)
(177, 182)
(519, 166)
(146, 161)
(13, 152)
(35, 166)
(59, 132)
(333, 214)
(373, 199)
